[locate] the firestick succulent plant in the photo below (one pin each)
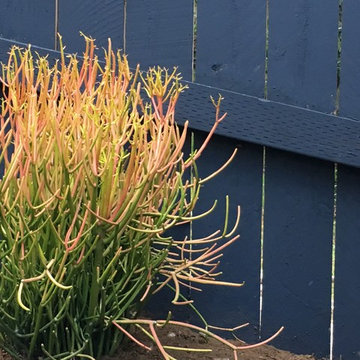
(94, 174)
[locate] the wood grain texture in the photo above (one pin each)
(159, 32)
(297, 251)
(303, 53)
(100, 19)
(347, 281)
(280, 126)
(28, 21)
(350, 61)
(231, 45)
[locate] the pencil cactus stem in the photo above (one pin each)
(19, 299)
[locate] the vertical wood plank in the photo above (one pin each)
(231, 45)
(225, 306)
(28, 21)
(303, 53)
(350, 55)
(347, 284)
(159, 32)
(299, 190)
(230, 54)
(297, 251)
(347, 281)
(100, 19)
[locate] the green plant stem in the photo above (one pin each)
(101, 321)
(95, 286)
(34, 338)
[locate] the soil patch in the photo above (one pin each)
(186, 338)
(173, 336)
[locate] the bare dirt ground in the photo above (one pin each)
(183, 337)
(186, 338)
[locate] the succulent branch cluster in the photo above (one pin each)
(93, 175)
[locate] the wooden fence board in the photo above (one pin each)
(99, 19)
(224, 306)
(350, 55)
(299, 190)
(159, 32)
(347, 284)
(302, 53)
(28, 21)
(277, 125)
(347, 281)
(297, 251)
(231, 45)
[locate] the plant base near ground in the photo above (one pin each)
(188, 338)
